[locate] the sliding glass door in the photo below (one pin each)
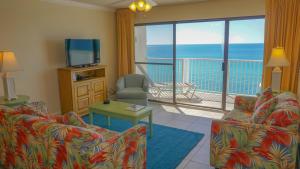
(154, 58)
(202, 63)
(199, 59)
(245, 58)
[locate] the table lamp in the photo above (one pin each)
(8, 64)
(278, 59)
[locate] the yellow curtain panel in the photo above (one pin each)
(283, 29)
(125, 40)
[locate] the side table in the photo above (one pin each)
(21, 99)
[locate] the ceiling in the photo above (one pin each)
(125, 3)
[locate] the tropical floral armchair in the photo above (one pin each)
(30, 139)
(260, 133)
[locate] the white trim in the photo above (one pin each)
(80, 4)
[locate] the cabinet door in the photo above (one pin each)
(98, 97)
(82, 90)
(98, 87)
(83, 103)
(82, 97)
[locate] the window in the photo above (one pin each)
(204, 63)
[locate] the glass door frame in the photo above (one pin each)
(225, 55)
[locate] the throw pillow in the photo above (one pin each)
(264, 110)
(265, 95)
(73, 118)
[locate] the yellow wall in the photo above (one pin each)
(35, 30)
(203, 10)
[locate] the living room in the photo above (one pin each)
(203, 69)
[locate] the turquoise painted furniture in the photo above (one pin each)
(119, 110)
(133, 89)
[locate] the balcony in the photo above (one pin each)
(199, 81)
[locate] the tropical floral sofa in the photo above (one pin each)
(31, 139)
(260, 133)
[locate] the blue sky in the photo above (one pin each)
(241, 31)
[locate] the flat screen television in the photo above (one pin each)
(82, 52)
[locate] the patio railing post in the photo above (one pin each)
(185, 70)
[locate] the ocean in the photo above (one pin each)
(201, 65)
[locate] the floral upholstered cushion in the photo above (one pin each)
(237, 115)
(286, 113)
(70, 118)
(264, 110)
(265, 95)
(40, 109)
(284, 118)
(287, 97)
(106, 134)
(245, 103)
(30, 110)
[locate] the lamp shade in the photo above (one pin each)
(278, 58)
(8, 62)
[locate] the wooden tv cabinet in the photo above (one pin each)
(76, 94)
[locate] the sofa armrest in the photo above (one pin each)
(146, 85)
(70, 118)
(121, 84)
(252, 145)
(245, 103)
(128, 150)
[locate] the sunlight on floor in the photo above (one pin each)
(192, 111)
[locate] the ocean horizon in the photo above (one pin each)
(244, 74)
(249, 51)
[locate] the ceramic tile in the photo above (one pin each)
(195, 165)
(190, 119)
(203, 156)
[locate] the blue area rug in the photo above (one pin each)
(166, 149)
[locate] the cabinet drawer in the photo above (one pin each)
(98, 86)
(83, 103)
(99, 97)
(82, 90)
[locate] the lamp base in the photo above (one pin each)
(276, 79)
(9, 87)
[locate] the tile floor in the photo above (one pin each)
(191, 119)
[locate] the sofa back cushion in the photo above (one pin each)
(25, 109)
(70, 118)
(265, 95)
(134, 80)
(286, 113)
(264, 110)
(286, 118)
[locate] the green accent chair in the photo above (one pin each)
(133, 89)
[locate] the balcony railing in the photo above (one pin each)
(244, 76)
